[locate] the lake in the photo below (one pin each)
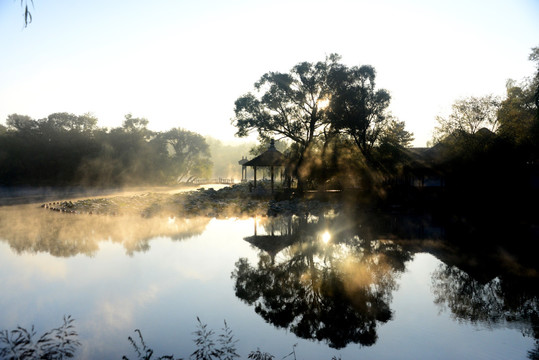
(308, 287)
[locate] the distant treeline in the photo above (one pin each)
(66, 149)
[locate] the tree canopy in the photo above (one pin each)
(514, 118)
(356, 108)
(287, 104)
(519, 112)
(316, 101)
(468, 115)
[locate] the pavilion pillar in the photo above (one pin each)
(272, 179)
(255, 175)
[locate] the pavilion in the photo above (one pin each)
(271, 158)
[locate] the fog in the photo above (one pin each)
(225, 158)
(32, 229)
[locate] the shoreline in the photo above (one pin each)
(228, 201)
(20, 195)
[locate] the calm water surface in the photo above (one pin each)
(333, 286)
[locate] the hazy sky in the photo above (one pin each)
(184, 63)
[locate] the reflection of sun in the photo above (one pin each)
(326, 237)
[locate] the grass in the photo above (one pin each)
(62, 343)
(56, 344)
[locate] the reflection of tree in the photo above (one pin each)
(27, 229)
(505, 300)
(336, 292)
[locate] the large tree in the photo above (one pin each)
(188, 154)
(288, 105)
(21, 123)
(136, 126)
(468, 116)
(315, 99)
(396, 135)
(534, 56)
(317, 106)
(356, 107)
(519, 112)
(71, 122)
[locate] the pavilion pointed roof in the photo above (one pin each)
(272, 244)
(270, 157)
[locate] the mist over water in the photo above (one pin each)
(30, 229)
(39, 195)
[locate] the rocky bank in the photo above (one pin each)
(238, 200)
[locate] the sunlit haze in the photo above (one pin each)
(184, 63)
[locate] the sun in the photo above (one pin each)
(326, 236)
(322, 103)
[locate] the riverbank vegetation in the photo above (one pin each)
(62, 343)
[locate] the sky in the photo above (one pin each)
(183, 63)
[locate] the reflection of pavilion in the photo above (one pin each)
(337, 294)
(281, 236)
(272, 244)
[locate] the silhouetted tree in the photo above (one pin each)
(395, 134)
(519, 112)
(189, 154)
(287, 104)
(72, 122)
(534, 56)
(316, 106)
(22, 123)
(468, 115)
(391, 152)
(135, 125)
(356, 108)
